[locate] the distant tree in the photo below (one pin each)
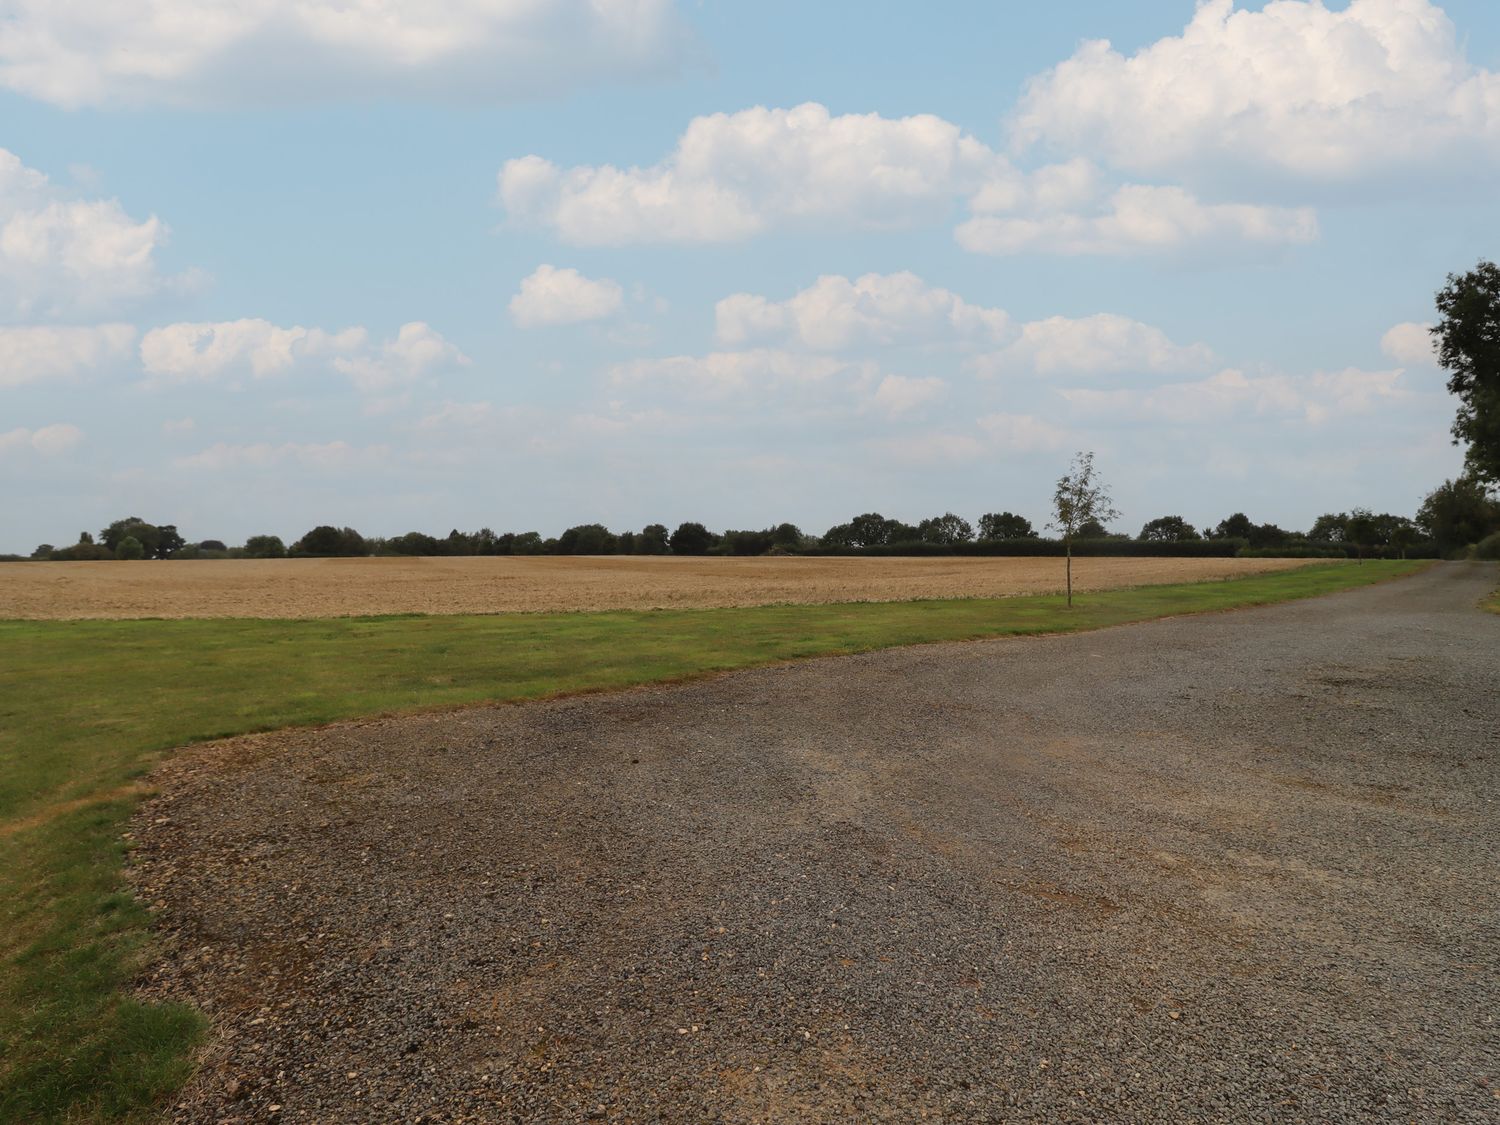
(265, 547)
(587, 539)
(691, 539)
(524, 543)
(1168, 529)
(1005, 525)
(1457, 513)
(749, 542)
(413, 543)
(869, 530)
(1329, 528)
(327, 541)
(1360, 531)
(1404, 538)
(653, 540)
(156, 542)
(1468, 339)
(1237, 526)
(484, 541)
(787, 536)
(1081, 499)
(625, 542)
(43, 551)
(1268, 535)
(212, 545)
(130, 548)
(946, 530)
(1091, 529)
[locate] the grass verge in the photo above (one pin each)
(87, 707)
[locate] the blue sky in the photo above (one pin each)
(522, 265)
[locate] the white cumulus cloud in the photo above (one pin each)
(177, 353)
(735, 175)
(38, 353)
(1314, 93)
(1102, 344)
(876, 309)
(1135, 218)
(552, 296)
(62, 256)
(1410, 344)
(49, 441)
(188, 53)
(722, 373)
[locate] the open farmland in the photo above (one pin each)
(280, 588)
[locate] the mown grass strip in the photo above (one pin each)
(86, 708)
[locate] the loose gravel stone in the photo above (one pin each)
(1237, 867)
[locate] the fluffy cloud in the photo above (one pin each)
(186, 53)
(901, 394)
(260, 455)
(1410, 344)
(1103, 344)
(49, 441)
(552, 296)
(258, 348)
(63, 256)
(876, 309)
(1380, 86)
(723, 373)
(36, 354)
(1136, 218)
(417, 351)
(1232, 394)
(732, 176)
(735, 175)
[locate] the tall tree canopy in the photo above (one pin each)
(1468, 338)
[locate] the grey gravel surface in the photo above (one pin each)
(1239, 867)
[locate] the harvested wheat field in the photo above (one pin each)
(359, 587)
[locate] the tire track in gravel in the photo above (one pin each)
(1238, 867)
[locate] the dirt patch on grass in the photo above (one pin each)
(279, 588)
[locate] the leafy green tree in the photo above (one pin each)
(1092, 529)
(787, 536)
(1329, 528)
(946, 530)
(327, 541)
(413, 543)
(1360, 531)
(653, 540)
(157, 542)
(1468, 338)
(265, 547)
(43, 551)
(691, 538)
(1457, 513)
(1237, 526)
(1005, 525)
(1168, 529)
(587, 539)
(1081, 499)
(212, 545)
(130, 548)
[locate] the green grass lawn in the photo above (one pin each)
(86, 709)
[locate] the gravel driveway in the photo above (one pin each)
(1239, 867)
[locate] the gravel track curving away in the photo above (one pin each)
(1238, 867)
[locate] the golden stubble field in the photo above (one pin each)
(275, 588)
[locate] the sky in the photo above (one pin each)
(527, 264)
